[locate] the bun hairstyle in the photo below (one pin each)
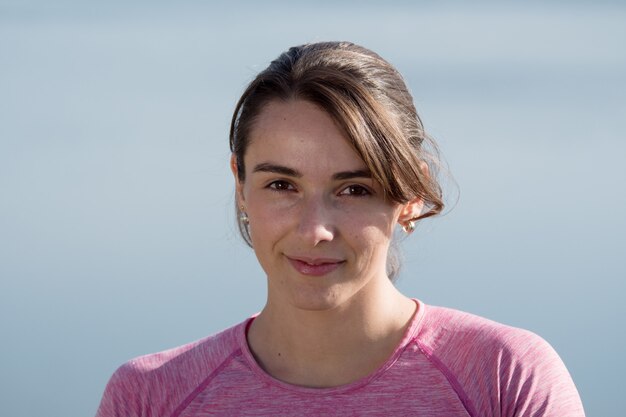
(368, 99)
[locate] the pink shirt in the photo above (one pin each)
(449, 363)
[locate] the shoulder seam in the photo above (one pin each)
(184, 404)
(454, 382)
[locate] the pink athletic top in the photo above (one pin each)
(449, 363)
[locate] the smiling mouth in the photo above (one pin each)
(315, 267)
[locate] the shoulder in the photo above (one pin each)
(201, 354)
(157, 383)
(520, 371)
(448, 329)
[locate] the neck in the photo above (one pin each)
(331, 347)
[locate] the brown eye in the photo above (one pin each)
(355, 190)
(280, 186)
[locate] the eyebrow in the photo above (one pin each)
(276, 169)
(347, 175)
(283, 170)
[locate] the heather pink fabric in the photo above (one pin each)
(449, 363)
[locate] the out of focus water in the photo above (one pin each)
(117, 236)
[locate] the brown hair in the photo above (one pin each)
(367, 98)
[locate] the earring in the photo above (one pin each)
(243, 216)
(409, 227)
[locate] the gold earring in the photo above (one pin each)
(243, 216)
(409, 227)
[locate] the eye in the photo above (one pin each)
(355, 190)
(280, 185)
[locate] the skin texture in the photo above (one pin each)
(321, 229)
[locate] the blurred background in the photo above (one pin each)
(117, 231)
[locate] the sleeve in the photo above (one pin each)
(533, 381)
(122, 396)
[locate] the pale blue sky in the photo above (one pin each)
(117, 236)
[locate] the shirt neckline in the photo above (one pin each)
(409, 335)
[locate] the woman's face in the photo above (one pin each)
(319, 224)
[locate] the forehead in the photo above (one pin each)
(299, 133)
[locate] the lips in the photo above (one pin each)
(314, 266)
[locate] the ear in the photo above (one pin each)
(413, 209)
(238, 183)
(410, 211)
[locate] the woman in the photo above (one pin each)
(329, 159)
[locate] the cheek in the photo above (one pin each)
(369, 241)
(266, 227)
(371, 224)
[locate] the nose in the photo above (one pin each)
(316, 223)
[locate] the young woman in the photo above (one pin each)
(330, 158)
